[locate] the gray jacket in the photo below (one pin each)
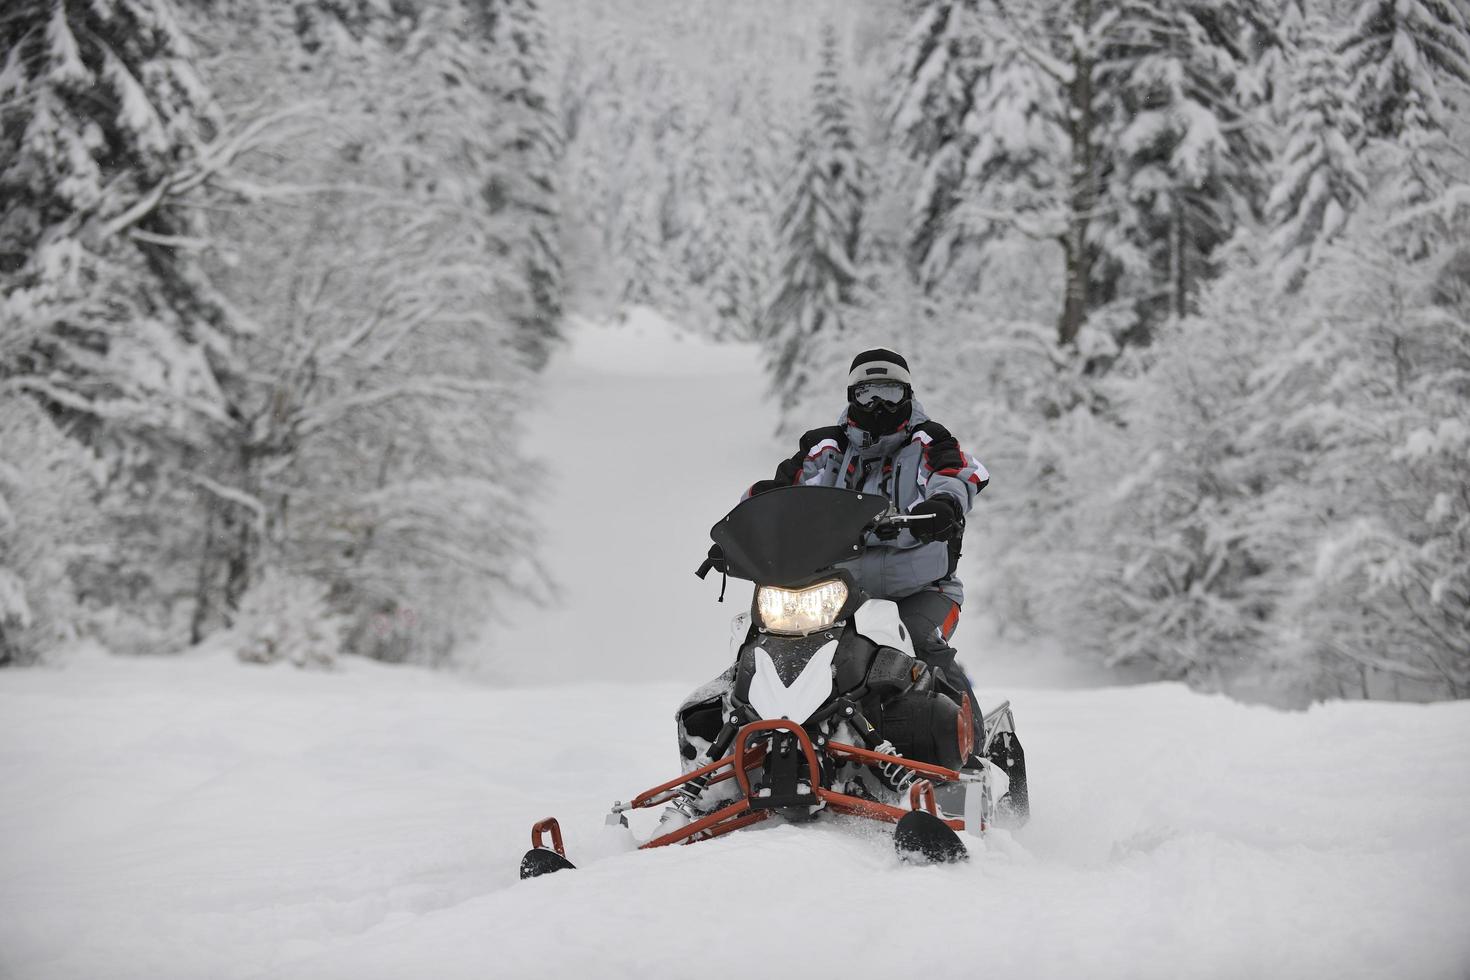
(918, 461)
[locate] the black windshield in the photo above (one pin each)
(786, 537)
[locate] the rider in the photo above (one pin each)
(884, 443)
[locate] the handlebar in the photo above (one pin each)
(887, 526)
(901, 519)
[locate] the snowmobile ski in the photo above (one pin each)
(923, 838)
(540, 859)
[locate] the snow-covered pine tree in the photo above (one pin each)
(1114, 129)
(1015, 174)
(524, 184)
(834, 124)
(622, 178)
(111, 142)
(105, 134)
(1400, 54)
(658, 95)
(1273, 31)
(1073, 36)
(600, 119)
(705, 244)
(1320, 179)
(324, 59)
(1180, 563)
(649, 274)
(48, 525)
(749, 224)
(371, 450)
(1374, 386)
(642, 279)
(1185, 158)
(290, 619)
(994, 93)
(1405, 59)
(820, 235)
(722, 298)
(940, 62)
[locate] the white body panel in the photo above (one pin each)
(808, 692)
(739, 629)
(878, 620)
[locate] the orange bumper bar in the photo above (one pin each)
(740, 814)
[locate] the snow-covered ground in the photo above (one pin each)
(197, 818)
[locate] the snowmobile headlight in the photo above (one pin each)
(801, 611)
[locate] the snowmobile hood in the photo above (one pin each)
(789, 536)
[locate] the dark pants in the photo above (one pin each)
(931, 619)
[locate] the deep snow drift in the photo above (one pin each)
(199, 818)
(205, 819)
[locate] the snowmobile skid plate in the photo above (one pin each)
(923, 834)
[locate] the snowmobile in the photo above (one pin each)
(825, 708)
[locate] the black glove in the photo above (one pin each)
(946, 523)
(763, 486)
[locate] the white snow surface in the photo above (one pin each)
(196, 817)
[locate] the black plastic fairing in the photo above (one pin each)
(892, 672)
(854, 655)
(923, 725)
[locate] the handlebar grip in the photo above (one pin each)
(704, 569)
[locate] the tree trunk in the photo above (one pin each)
(1179, 272)
(243, 538)
(1082, 187)
(202, 581)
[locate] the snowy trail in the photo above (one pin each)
(646, 438)
(198, 818)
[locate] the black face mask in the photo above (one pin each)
(880, 418)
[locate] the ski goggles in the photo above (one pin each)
(891, 392)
